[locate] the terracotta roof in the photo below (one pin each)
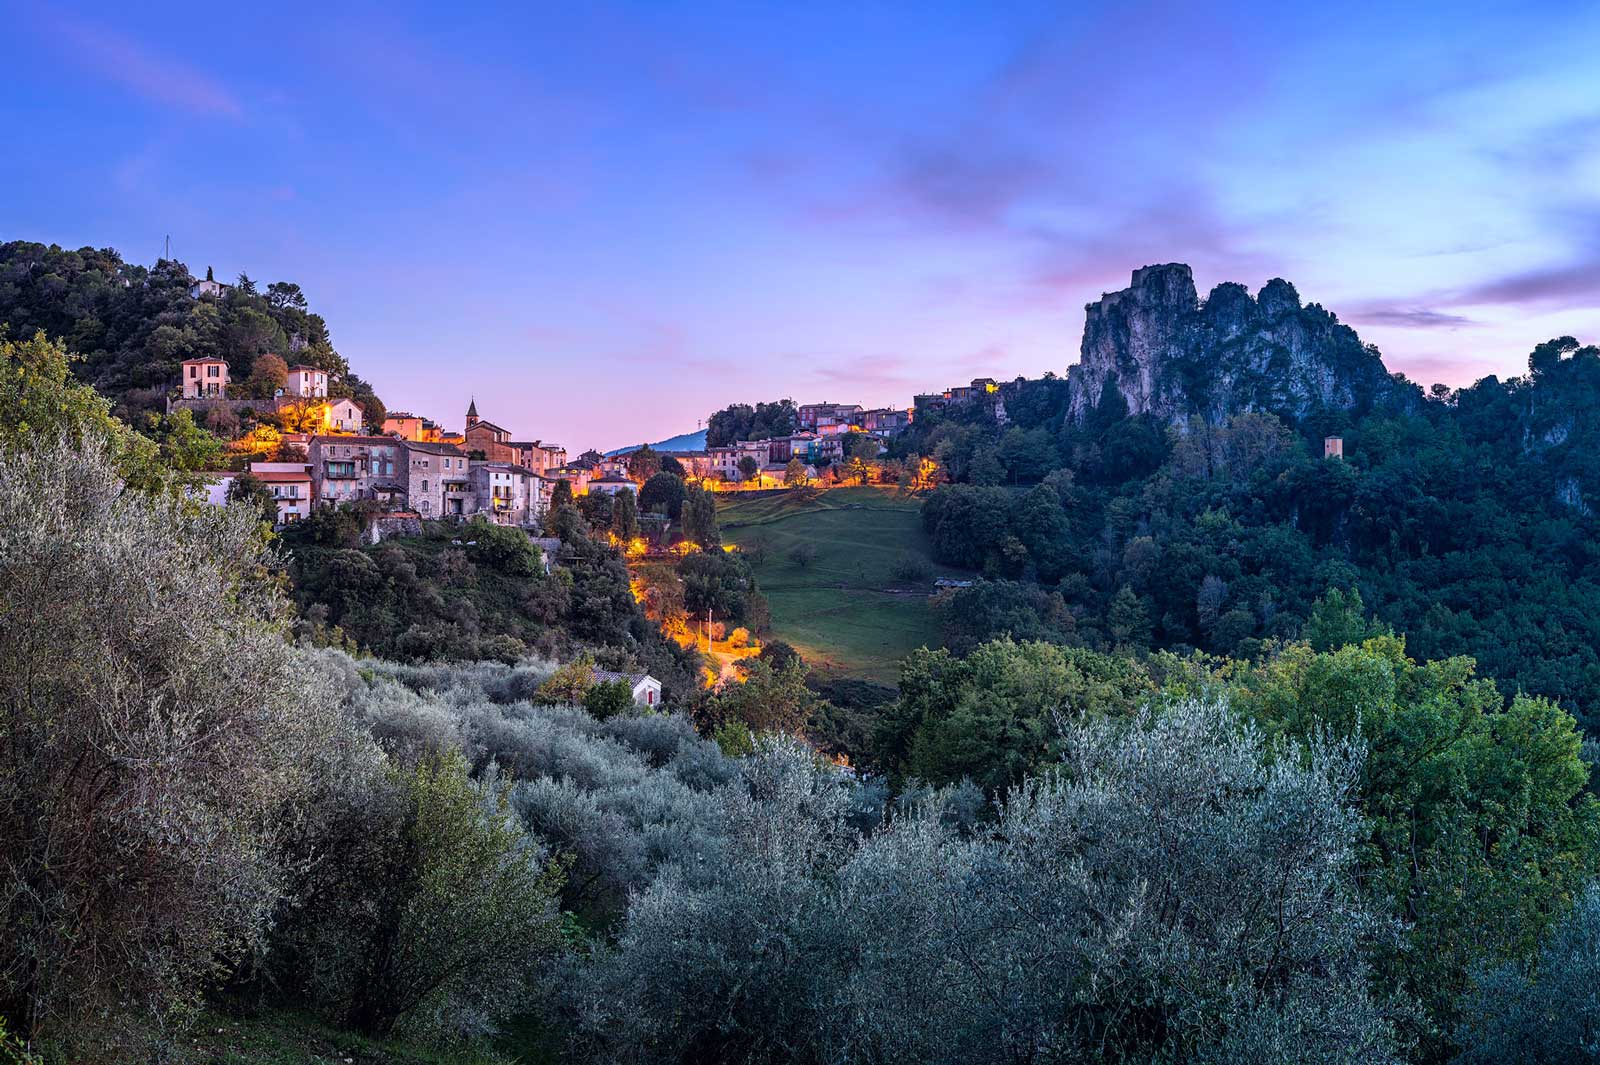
(208, 358)
(303, 366)
(484, 423)
(281, 477)
(335, 438)
(434, 449)
(511, 467)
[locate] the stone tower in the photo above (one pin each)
(472, 412)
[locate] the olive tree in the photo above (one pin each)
(155, 731)
(1547, 1011)
(1177, 888)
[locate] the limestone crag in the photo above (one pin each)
(1176, 357)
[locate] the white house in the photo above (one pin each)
(216, 485)
(306, 381)
(611, 484)
(208, 287)
(204, 378)
(344, 415)
(290, 483)
(646, 689)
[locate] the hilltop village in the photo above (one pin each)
(315, 449)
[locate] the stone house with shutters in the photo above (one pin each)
(438, 480)
(306, 382)
(290, 484)
(509, 494)
(349, 469)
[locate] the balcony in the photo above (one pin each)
(340, 471)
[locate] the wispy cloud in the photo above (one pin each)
(1405, 316)
(119, 58)
(1572, 284)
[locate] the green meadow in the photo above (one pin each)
(860, 604)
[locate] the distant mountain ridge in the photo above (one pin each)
(1174, 356)
(695, 441)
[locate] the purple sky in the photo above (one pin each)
(607, 221)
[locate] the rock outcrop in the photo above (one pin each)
(1173, 356)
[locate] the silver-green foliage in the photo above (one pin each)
(1547, 1012)
(1176, 888)
(156, 731)
(622, 798)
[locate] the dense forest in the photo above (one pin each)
(130, 326)
(1465, 521)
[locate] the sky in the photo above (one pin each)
(605, 221)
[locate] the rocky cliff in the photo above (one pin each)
(1176, 357)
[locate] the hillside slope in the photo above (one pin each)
(133, 325)
(862, 602)
(695, 441)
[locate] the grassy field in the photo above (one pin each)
(847, 611)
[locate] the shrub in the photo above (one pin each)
(569, 683)
(608, 699)
(1548, 1011)
(157, 731)
(911, 569)
(1177, 889)
(438, 921)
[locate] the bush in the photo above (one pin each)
(498, 547)
(157, 732)
(609, 699)
(570, 683)
(621, 797)
(911, 569)
(1548, 1011)
(1133, 905)
(439, 920)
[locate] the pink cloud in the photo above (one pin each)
(160, 79)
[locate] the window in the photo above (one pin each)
(193, 371)
(213, 371)
(424, 488)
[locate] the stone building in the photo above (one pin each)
(509, 494)
(348, 469)
(438, 480)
